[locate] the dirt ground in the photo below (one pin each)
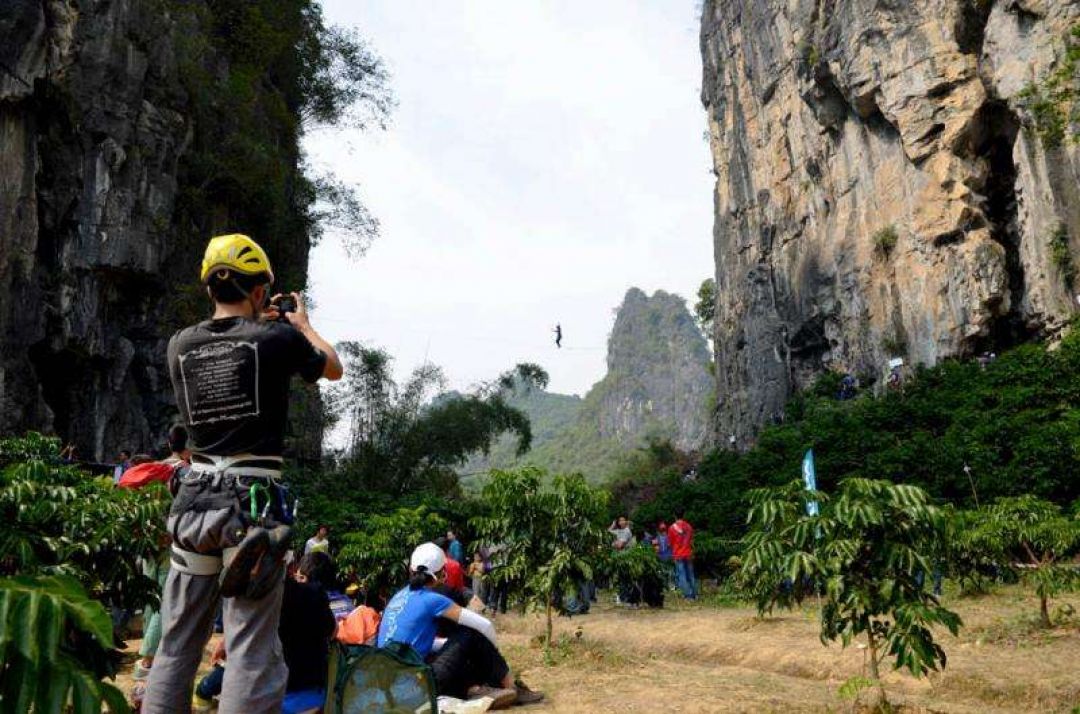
(706, 657)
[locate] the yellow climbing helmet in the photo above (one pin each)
(236, 252)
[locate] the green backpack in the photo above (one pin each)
(369, 680)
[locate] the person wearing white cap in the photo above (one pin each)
(469, 663)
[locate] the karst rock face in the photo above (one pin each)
(89, 144)
(658, 382)
(96, 267)
(885, 187)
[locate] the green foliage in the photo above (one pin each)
(1061, 255)
(59, 520)
(377, 555)
(633, 565)
(402, 440)
(51, 635)
(705, 307)
(1052, 104)
(714, 501)
(548, 540)
(884, 240)
(869, 548)
(1015, 423)
(67, 536)
(1034, 539)
(256, 72)
(549, 415)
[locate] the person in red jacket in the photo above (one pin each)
(455, 574)
(681, 536)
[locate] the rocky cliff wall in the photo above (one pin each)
(894, 178)
(658, 380)
(105, 206)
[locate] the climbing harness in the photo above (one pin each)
(230, 517)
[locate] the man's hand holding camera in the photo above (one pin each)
(288, 308)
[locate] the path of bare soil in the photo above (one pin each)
(709, 658)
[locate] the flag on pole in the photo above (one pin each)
(810, 479)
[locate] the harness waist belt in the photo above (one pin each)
(238, 464)
(191, 563)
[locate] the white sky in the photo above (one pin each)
(545, 155)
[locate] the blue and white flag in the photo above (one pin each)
(810, 479)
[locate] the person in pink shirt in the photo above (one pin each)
(681, 536)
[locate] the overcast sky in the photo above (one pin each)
(544, 157)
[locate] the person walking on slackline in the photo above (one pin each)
(231, 377)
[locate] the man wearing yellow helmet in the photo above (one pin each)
(229, 520)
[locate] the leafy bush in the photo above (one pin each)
(60, 520)
(884, 240)
(67, 537)
(705, 307)
(1034, 539)
(548, 540)
(52, 643)
(1015, 423)
(869, 549)
(1061, 255)
(377, 556)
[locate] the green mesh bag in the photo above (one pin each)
(370, 680)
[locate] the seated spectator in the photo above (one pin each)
(305, 630)
(469, 662)
(362, 624)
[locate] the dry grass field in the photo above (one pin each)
(702, 658)
(708, 657)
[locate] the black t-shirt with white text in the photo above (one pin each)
(231, 379)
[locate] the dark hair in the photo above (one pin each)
(442, 542)
(322, 526)
(680, 512)
(233, 287)
(141, 459)
(419, 578)
(317, 567)
(178, 437)
(374, 599)
(126, 451)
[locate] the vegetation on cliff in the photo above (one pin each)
(658, 386)
(257, 75)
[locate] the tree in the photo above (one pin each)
(868, 549)
(409, 437)
(378, 553)
(548, 541)
(705, 307)
(1034, 539)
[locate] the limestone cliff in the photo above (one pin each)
(657, 379)
(115, 129)
(894, 178)
(657, 386)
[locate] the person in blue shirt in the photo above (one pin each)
(469, 662)
(457, 550)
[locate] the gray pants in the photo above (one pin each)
(255, 674)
